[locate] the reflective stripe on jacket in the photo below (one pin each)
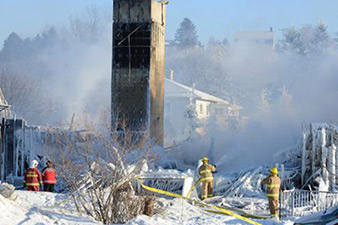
(49, 175)
(205, 172)
(272, 183)
(32, 177)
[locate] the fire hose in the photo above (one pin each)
(216, 209)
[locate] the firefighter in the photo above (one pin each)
(272, 183)
(33, 179)
(49, 177)
(205, 171)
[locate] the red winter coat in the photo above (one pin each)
(33, 179)
(49, 175)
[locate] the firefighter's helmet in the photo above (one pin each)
(274, 170)
(205, 159)
(34, 164)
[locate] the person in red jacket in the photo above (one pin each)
(49, 177)
(33, 179)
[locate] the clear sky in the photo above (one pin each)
(218, 18)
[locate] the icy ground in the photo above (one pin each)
(48, 208)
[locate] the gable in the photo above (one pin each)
(175, 89)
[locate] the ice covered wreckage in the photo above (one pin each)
(319, 156)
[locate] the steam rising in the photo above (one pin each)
(278, 89)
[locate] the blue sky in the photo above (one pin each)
(218, 18)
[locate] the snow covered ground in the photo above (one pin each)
(48, 208)
(39, 208)
(178, 211)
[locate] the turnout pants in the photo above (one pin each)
(273, 206)
(32, 188)
(207, 189)
(48, 187)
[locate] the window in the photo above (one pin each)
(201, 108)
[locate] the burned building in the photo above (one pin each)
(138, 67)
(17, 142)
(319, 156)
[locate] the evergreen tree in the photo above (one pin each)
(225, 42)
(292, 40)
(12, 48)
(321, 36)
(307, 40)
(186, 34)
(46, 39)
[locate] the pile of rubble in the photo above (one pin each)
(7, 191)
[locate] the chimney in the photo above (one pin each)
(193, 87)
(172, 75)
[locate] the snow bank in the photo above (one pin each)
(50, 208)
(40, 208)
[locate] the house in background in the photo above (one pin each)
(266, 38)
(186, 107)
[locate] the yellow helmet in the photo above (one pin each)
(205, 159)
(274, 170)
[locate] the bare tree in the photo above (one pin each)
(99, 168)
(25, 95)
(87, 26)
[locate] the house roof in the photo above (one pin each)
(178, 90)
(247, 35)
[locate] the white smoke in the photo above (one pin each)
(279, 91)
(74, 68)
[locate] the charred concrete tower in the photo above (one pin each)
(138, 66)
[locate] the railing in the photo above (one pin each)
(301, 203)
(179, 185)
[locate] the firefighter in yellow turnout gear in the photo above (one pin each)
(272, 183)
(205, 171)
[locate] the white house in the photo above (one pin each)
(266, 38)
(185, 107)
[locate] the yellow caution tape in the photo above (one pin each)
(231, 209)
(163, 192)
(248, 215)
(193, 187)
(58, 203)
(220, 209)
(62, 201)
